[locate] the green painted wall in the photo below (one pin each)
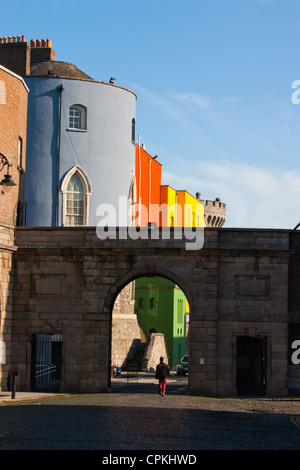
(161, 305)
(179, 330)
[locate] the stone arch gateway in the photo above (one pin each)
(66, 280)
(147, 270)
(130, 329)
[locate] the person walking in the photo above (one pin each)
(162, 372)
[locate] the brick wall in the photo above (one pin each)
(16, 57)
(13, 125)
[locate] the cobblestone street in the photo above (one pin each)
(134, 417)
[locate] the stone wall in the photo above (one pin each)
(7, 236)
(294, 307)
(155, 349)
(126, 333)
(66, 281)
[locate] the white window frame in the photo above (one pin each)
(132, 201)
(87, 188)
(80, 119)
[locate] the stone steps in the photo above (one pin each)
(136, 362)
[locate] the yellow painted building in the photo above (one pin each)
(180, 208)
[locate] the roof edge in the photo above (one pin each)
(81, 80)
(15, 75)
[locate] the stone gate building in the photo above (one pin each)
(242, 288)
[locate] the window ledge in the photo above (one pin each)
(70, 129)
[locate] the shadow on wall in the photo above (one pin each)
(144, 357)
(135, 355)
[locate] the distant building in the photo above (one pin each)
(184, 210)
(160, 304)
(161, 308)
(147, 194)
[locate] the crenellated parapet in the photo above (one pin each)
(214, 212)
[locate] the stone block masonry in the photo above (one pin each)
(66, 282)
(7, 249)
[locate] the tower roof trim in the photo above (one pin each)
(57, 69)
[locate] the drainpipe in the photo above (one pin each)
(60, 89)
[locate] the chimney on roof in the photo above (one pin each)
(17, 55)
(41, 51)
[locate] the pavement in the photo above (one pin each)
(134, 417)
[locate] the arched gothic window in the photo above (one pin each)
(132, 202)
(74, 201)
(76, 189)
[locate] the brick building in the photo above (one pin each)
(13, 126)
(13, 122)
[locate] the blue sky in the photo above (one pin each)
(214, 85)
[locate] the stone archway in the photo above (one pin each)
(126, 335)
(69, 279)
(144, 271)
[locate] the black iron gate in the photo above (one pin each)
(251, 365)
(46, 362)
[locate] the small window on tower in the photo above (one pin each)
(133, 130)
(77, 117)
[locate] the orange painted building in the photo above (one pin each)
(148, 181)
(161, 204)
